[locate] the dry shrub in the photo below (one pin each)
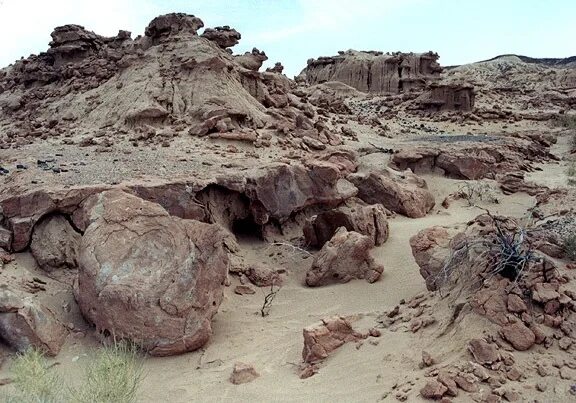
(34, 380)
(112, 375)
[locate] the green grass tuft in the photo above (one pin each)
(34, 380)
(113, 374)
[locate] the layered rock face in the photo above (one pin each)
(149, 277)
(375, 71)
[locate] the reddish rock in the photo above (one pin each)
(25, 324)
(243, 373)
(345, 257)
(491, 302)
(54, 243)
(517, 334)
(433, 390)
(447, 380)
(323, 338)
(484, 353)
(263, 276)
(402, 193)
(366, 220)
(431, 249)
(516, 304)
(149, 277)
(544, 292)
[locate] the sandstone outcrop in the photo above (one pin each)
(148, 277)
(345, 257)
(54, 243)
(403, 193)
(482, 160)
(369, 220)
(26, 324)
(225, 37)
(447, 97)
(323, 338)
(375, 71)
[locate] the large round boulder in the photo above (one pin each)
(146, 276)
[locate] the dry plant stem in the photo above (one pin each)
(268, 299)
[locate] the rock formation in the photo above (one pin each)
(369, 220)
(323, 338)
(345, 257)
(149, 277)
(24, 324)
(374, 71)
(402, 193)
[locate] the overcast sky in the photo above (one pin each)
(292, 31)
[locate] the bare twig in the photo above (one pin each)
(268, 299)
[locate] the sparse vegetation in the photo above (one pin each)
(112, 374)
(35, 380)
(504, 251)
(475, 192)
(268, 299)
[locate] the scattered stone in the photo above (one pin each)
(243, 373)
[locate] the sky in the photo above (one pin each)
(292, 31)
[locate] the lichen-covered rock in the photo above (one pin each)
(149, 277)
(345, 257)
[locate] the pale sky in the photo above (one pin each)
(292, 31)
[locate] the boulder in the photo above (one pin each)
(433, 390)
(517, 334)
(25, 324)
(54, 243)
(225, 37)
(322, 338)
(484, 353)
(263, 276)
(345, 257)
(403, 193)
(431, 250)
(366, 220)
(251, 60)
(146, 276)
